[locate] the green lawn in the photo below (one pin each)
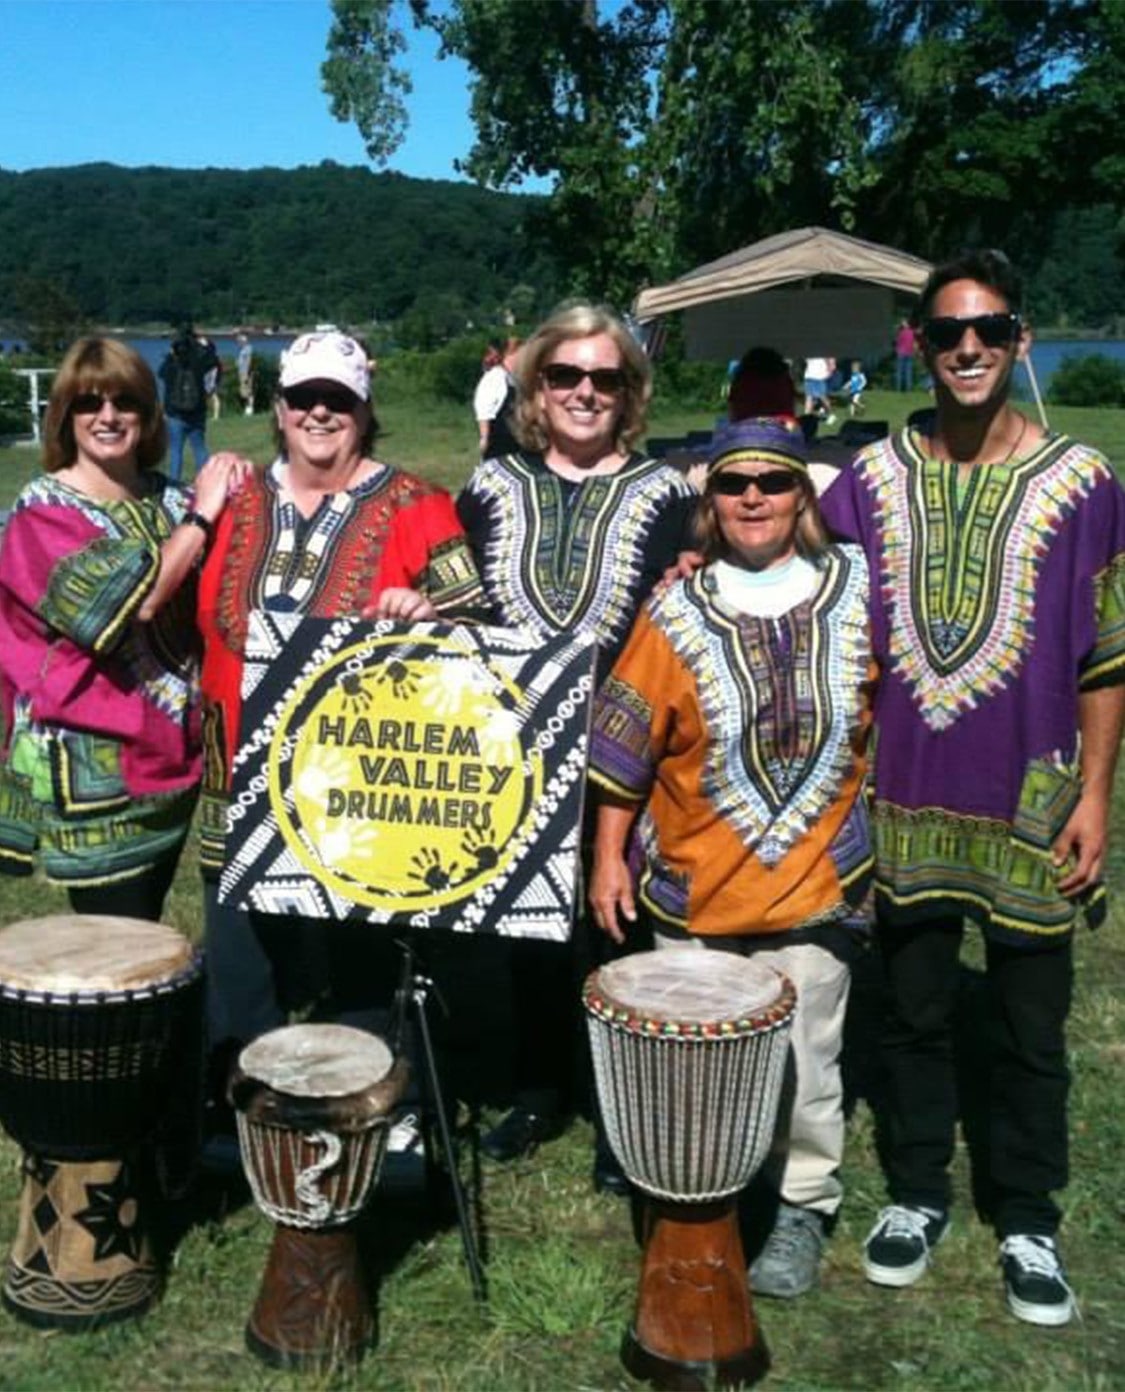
(562, 1262)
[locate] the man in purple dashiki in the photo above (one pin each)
(999, 622)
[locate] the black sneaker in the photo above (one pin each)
(898, 1247)
(520, 1134)
(1035, 1281)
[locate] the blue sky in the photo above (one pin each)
(195, 83)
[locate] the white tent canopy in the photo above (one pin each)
(806, 293)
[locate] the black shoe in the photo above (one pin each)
(519, 1135)
(610, 1178)
(1035, 1281)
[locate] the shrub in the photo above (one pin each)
(1096, 380)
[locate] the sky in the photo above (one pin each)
(197, 83)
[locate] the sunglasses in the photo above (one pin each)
(338, 400)
(771, 483)
(994, 330)
(90, 403)
(606, 381)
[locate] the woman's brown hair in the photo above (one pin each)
(107, 367)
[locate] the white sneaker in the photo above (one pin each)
(405, 1136)
(1034, 1280)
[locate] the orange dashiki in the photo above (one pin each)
(747, 737)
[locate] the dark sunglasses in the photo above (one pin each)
(338, 400)
(994, 330)
(90, 403)
(772, 482)
(606, 381)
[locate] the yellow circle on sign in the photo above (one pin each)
(398, 773)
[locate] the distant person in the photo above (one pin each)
(494, 401)
(906, 344)
(245, 365)
(761, 385)
(183, 374)
(212, 377)
(99, 656)
(818, 376)
(854, 388)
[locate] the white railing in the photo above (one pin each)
(36, 398)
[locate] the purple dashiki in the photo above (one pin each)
(1000, 598)
(102, 754)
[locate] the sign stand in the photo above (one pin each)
(413, 992)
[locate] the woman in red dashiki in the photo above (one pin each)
(326, 530)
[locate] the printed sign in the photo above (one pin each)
(429, 775)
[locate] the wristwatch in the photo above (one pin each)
(196, 519)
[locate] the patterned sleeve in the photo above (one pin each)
(1104, 665)
(81, 582)
(634, 714)
(442, 567)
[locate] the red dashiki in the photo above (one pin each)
(390, 530)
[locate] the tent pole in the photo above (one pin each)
(1036, 393)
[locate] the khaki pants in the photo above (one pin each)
(808, 1143)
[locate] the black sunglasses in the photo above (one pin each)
(90, 403)
(994, 330)
(606, 381)
(338, 400)
(772, 482)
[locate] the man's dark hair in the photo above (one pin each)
(986, 266)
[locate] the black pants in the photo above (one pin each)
(1028, 994)
(140, 897)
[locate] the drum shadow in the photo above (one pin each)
(413, 1205)
(865, 1078)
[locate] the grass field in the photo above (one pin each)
(561, 1261)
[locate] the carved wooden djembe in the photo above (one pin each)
(313, 1106)
(689, 1053)
(100, 1042)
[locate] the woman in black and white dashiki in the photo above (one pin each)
(570, 534)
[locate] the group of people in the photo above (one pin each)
(960, 590)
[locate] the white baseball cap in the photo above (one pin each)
(326, 356)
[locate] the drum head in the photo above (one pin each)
(90, 953)
(317, 1061)
(687, 986)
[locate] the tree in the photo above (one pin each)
(678, 130)
(361, 78)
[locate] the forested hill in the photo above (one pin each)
(133, 246)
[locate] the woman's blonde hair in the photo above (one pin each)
(581, 320)
(108, 367)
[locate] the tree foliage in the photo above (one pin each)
(678, 130)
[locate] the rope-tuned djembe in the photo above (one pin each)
(100, 1045)
(689, 1053)
(313, 1105)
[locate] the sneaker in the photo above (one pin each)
(1035, 1281)
(789, 1262)
(899, 1246)
(519, 1135)
(405, 1136)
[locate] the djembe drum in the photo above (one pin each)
(100, 1033)
(689, 1053)
(313, 1106)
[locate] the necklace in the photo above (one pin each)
(982, 463)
